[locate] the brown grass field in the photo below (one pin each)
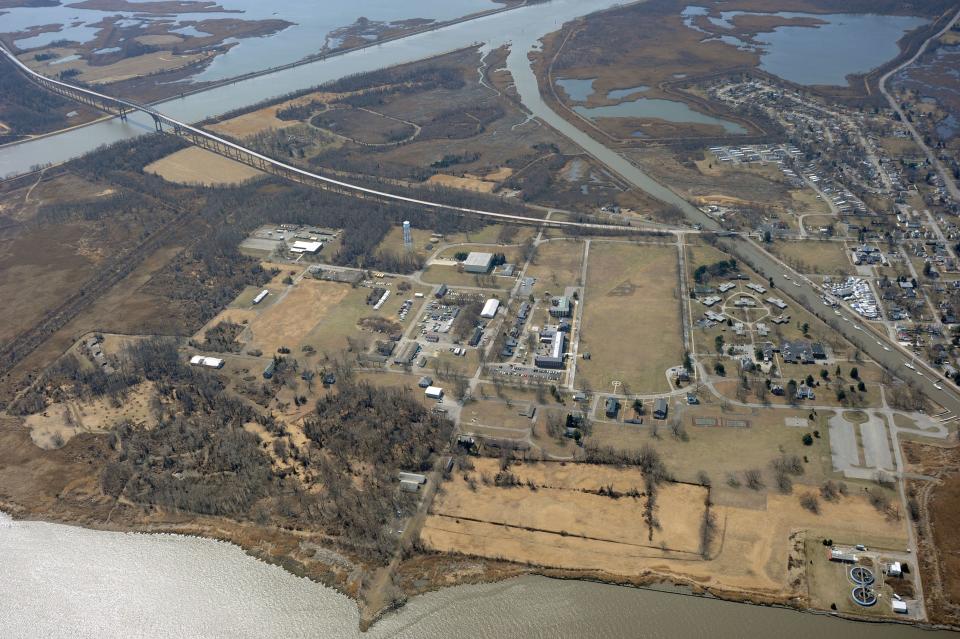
(194, 165)
(559, 528)
(631, 317)
(557, 265)
(125, 69)
(70, 418)
(466, 183)
(815, 256)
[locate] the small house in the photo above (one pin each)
(660, 409)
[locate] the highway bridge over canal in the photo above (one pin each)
(204, 139)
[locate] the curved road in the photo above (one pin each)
(948, 181)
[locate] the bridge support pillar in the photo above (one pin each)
(158, 124)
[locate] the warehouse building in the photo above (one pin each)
(478, 262)
(209, 362)
(301, 246)
(490, 308)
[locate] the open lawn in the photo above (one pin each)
(495, 414)
(490, 234)
(631, 318)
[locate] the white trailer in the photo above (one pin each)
(260, 296)
(417, 477)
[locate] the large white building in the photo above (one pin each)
(490, 308)
(301, 246)
(210, 362)
(478, 262)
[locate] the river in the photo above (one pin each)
(63, 581)
(522, 26)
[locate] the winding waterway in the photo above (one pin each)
(522, 27)
(63, 581)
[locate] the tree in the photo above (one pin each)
(719, 369)
(854, 373)
(810, 502)
(807, 439)
(791, 389)
(809, 381)
(805, 328)
(718, 344)
(754, 479)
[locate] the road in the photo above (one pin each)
(948, 181)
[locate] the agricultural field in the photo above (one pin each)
(631, 318)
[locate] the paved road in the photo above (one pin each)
(948, 181)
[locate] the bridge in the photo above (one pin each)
(204, 139)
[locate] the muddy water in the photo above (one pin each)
(63, 581)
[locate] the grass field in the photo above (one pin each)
(563, 507)
(631, 318)
(452, 276)
(194, 165)
(814, 256)
(465, 183)
(563, 525)
(494, 413)
(719, 450)
(557, 265)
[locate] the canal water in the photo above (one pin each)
(522, 28)
(63, 581)
(313, 22)
(525, 24)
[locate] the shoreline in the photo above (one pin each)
(512, 570)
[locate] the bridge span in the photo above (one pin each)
(165, 124)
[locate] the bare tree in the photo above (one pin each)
(753, 478)
(810, 502)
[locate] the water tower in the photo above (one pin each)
(407, 239)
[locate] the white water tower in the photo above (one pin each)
(407, 238)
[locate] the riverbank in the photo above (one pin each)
(162, 89)
(67, 581)
(666, 65)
